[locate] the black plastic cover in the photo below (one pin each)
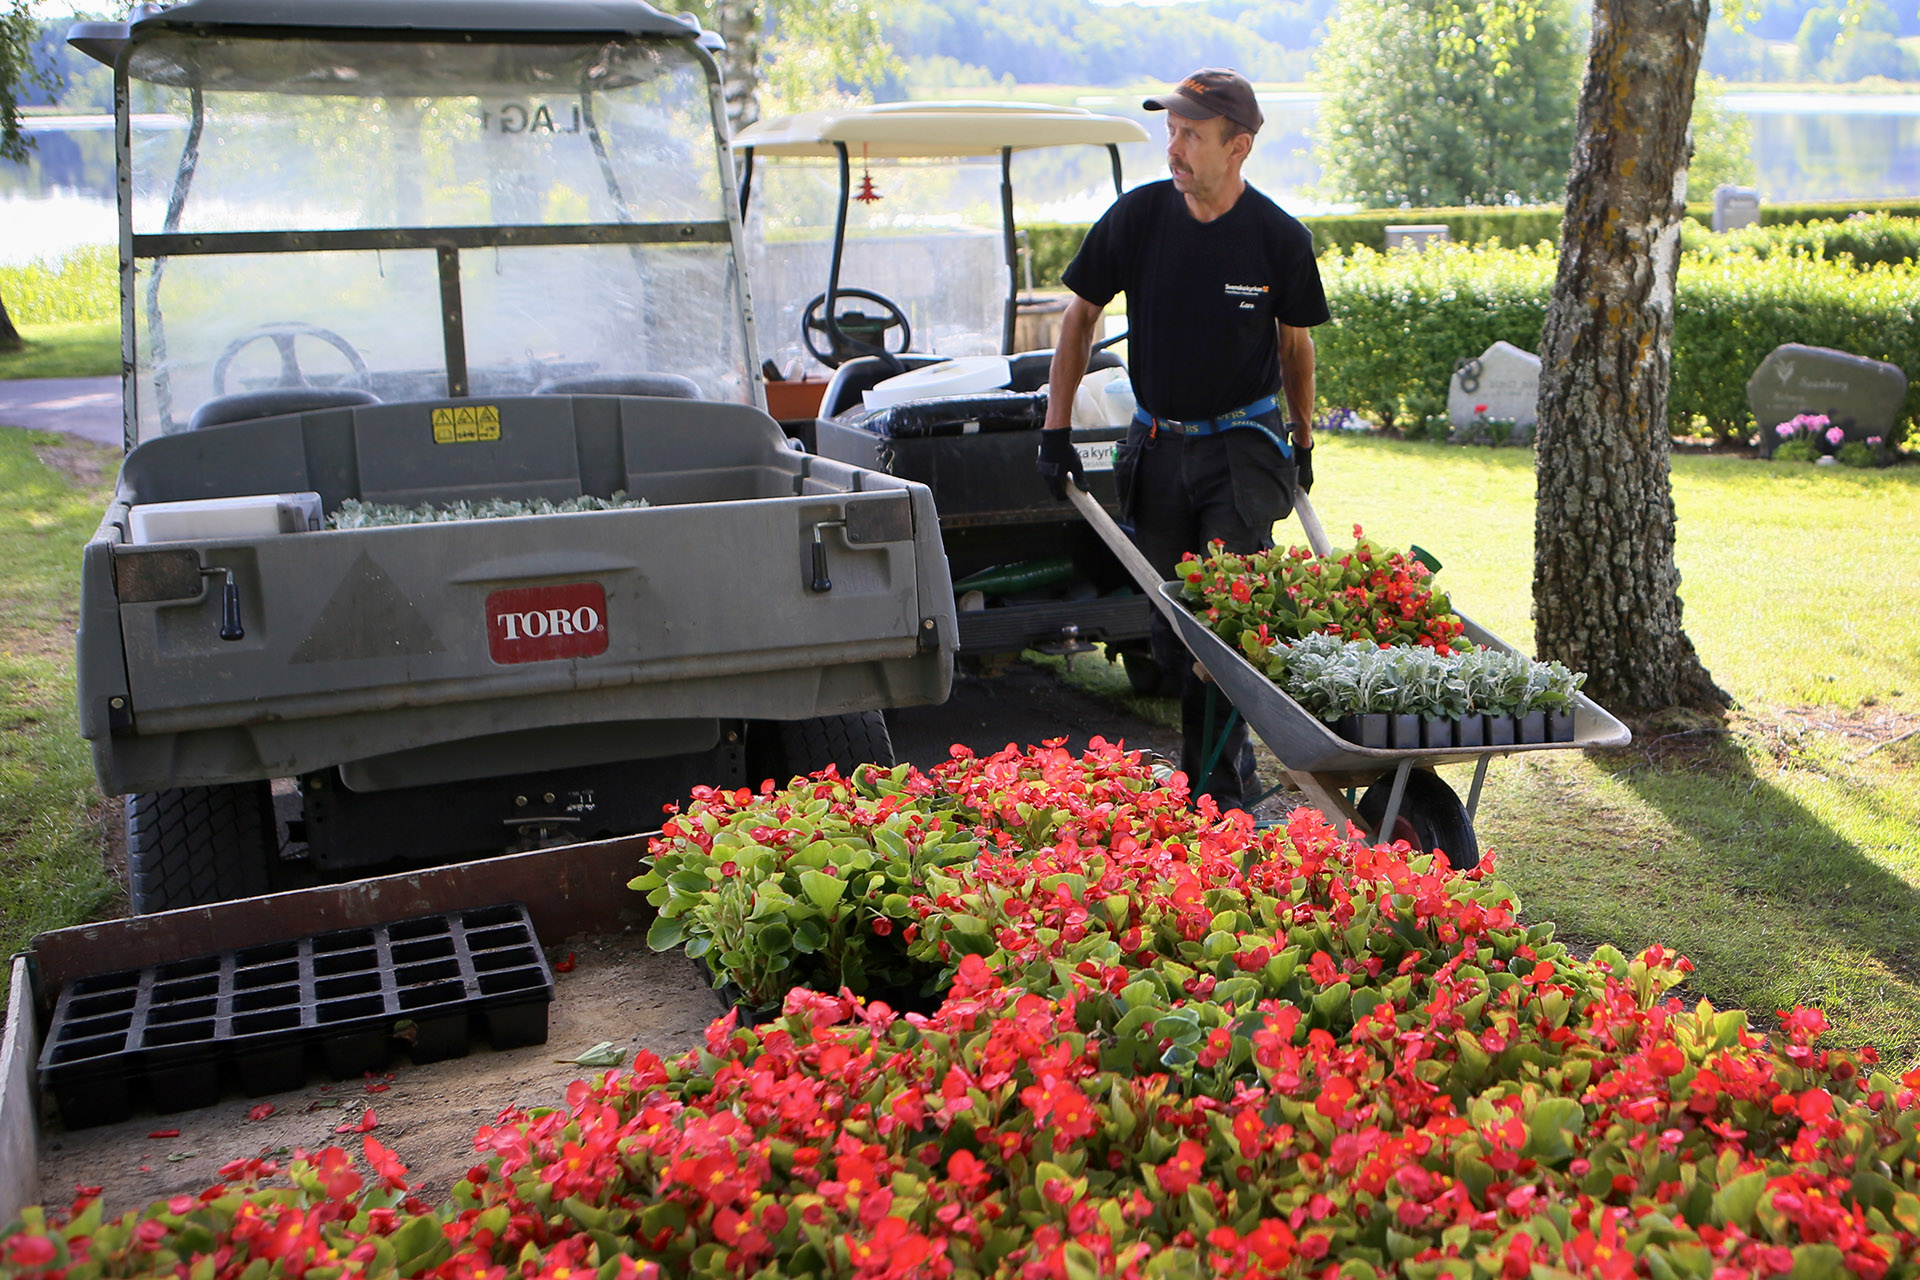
(430, 19)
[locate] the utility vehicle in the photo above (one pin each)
(392, 266)
(898, 295)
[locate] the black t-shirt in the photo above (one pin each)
(1202, 297)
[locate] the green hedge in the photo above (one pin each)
(82, 286)
(1730, 312)
(1054, 243)
(1401, 321)
(1867, 239)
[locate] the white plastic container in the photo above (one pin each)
(947, 378)
(1104, 398)
(1118, 395)
(258, 515)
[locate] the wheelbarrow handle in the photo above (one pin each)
(1310, 521)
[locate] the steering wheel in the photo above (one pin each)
(282, 334)
(870, 336)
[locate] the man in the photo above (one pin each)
(1221, 289)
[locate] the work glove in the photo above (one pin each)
(1057, 460)
(1303, 467)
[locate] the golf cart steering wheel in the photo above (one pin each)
(282, 334)
(871, 331)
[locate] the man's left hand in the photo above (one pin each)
(1303, 467)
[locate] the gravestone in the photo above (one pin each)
(1505, 379)
(1735, 207)
(1417, 235)
(1860, 396)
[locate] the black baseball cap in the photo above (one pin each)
(1210, 92)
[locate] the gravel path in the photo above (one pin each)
(88, 408)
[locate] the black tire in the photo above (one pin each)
(1143, 673)
(1431, 817)
(195, 845)
(808, 746)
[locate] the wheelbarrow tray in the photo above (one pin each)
(1305, 744)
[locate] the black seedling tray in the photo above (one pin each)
(179, 1033)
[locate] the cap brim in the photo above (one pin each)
(1184, 107)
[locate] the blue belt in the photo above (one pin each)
(1245, 417)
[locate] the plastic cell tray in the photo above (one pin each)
(178, 1034)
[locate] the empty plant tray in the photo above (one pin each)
(256, 1017)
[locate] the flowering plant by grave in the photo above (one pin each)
(1491, 431)
(1172, 1045)
(1806, 437)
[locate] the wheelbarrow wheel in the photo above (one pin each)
(1431, 817)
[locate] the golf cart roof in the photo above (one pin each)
(915, 129)
(424, 19)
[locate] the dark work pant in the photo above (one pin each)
(1187, 491)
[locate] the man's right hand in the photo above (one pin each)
(1057, 460)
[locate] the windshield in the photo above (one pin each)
(932, 241)
(425, 220)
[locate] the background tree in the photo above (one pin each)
(1722, 141)
(1606, 595)
(1446, 102)
(20, 70)
(796, 54)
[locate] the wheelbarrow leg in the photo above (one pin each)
(1394, 797)
(1215, 747)
(1473, 796)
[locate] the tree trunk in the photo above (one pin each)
(1605, 590)
(10, 339)
(740, 24)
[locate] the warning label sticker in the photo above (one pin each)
(468, 424)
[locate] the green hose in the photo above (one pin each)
(1007, 579)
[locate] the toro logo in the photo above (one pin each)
(535, 624)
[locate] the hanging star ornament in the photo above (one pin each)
(866, 194)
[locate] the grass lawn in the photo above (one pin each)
(51, 831)
(72, 349)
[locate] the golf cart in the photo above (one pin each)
(450, 504)
(898, 296)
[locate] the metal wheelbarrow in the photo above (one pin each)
(1405, 799)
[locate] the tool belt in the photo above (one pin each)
(1246, 417)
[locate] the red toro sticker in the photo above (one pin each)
(537, 624)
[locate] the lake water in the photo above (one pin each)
(1807, 146)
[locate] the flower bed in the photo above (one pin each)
(1171, 1046)
(1363, 593)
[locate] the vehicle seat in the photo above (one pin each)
(864, 373)
(1031, 368)
(1028, 371)
(243, 406)
(672, 386)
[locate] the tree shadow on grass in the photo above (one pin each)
(1817, 918)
